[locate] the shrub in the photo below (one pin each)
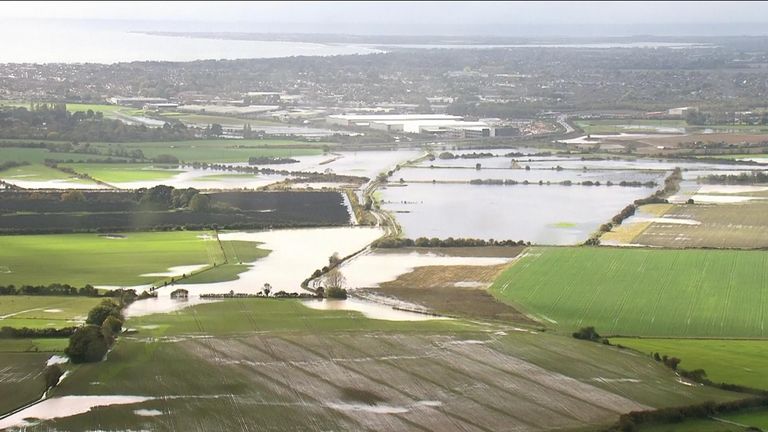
(87, 345)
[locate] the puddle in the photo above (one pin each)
(470, 284)
(369, 310)
(56, 359)
(65, 406)
(616, 380)
(160, 304)
(147, 412)
(375, 409)
(730, 189)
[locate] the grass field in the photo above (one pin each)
(284, 367)
(755, 419)
(44, 311)
(117, 173)
(227, 150)
(641, 292)
(38, 172)
(740, 225)
(204, 150)
(627, 125)
(80, 259)
(742, 362)
(237, 253)
(36, 155)
(21, 379)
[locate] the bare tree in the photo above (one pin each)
(335, 279)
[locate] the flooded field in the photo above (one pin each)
(362, 164)
(296, 254)
(533, 175)
(540, 214)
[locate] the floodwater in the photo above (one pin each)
(65, 42)
(177, 271)
(370, 269)
(369, 309)
(533, 176)
(206, 179)
(361, 164)
(541, 214)
(296, 254)
(53, 184)
(65, 406)
(162, 304)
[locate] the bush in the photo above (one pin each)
(587, 333)
(335, 293)
(87, 345)
(102, 311)
(52, 375)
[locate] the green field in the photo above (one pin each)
(203, 150)
(627, 125)
(80, 259)
(119, 172)
(743, 362)
(238, 253)
(21, 379)
(285, 367)
(36, 155)
(641, 292)
(754, 419)
(226, 150)
(44, 311)
(37, 172)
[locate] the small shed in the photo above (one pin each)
(180, 294)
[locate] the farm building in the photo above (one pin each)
(180, 294)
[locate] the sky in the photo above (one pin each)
(501, 18)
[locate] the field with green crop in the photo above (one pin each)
(742, 362)
(44, 311)
(80, 259)
(118, 172)
(285, 367)
(641, 292)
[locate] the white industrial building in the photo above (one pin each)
(433, 124)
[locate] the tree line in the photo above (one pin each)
(391, 242)
(54, 122)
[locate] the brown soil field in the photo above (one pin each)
(453, 290)
(742, 225)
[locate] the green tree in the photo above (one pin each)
(200, 203)
(73, 196)
(52, 375)
(102, 311)
(86, 345)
